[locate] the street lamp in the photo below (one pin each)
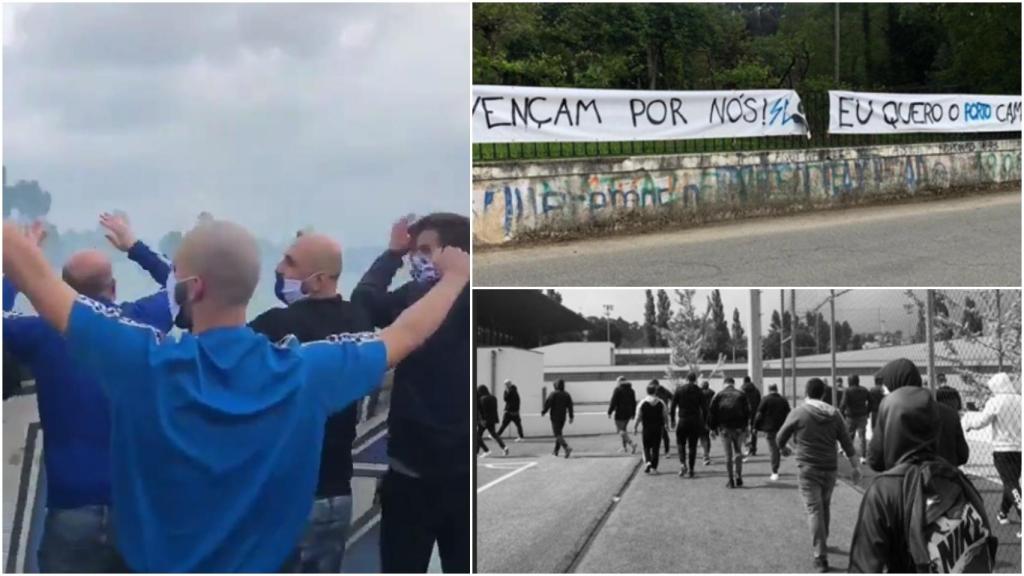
(608, 320)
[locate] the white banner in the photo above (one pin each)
(523, 114)
(877, 113)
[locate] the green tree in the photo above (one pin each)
(664, 313)
(650, 323)
(739, 336)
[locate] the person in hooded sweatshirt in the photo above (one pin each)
(511, 415)
(559, 403)
(653, 414)
(705, 436)
(1002, 413)
(488, 406)
(666, 397)
(753, 395)
(855, 407)
(948, 395)
(771, 415)
(817, 427)
(688, 401)
(622, 407)
(875, 396)
(950, 442)
(922, 514)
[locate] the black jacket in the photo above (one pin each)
(310, 320)
(875, 395)
(753, 396)
(512, 399)
(428, 421)
(894, 504)
(856, 402)
(950, 443)
(488, 409)
(729, 409)
(623, 402)
(772, 412)
(688, 400)
(559, 403)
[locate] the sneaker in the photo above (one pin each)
(863, 460)
(1018, 533)
(567, 451)
(745, 458)
(774, 477)
(821, 564)
(707, 461)
(634, 447)
(730, 484)
(647, 469)
(485, 454)
(654, 471)
(739, 482)
(555, 453)
(520, 439)
(691, 472)
(682, 471)
(505, 449)
(1003, 517)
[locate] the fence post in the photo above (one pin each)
(930, 333)
(999, 328)
(782, 344)
(792, 344)
(832, 341)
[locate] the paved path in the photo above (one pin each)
(973, 241)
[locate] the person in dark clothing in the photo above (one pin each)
(729, 413)
(423, 495)
(817, 427)
(705, 437)
(488, 406)
(827, 396)
(559, 404)
(753, 396)
(875, 396)
(840, 392)
(622, 408)
(511, 414)
(652, 413)
(307, 283)
(665, 395)
(771, 414)
(922, 514)
(948, 395)
(855, 407)
(950, 441)
(688, 402)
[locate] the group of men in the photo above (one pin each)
(920, 512)
(229, 448)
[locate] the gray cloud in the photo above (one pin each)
(277, 116)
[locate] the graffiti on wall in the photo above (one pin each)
(525, 203)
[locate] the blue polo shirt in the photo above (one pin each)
(216, 438)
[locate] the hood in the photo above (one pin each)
(625, 385)
(900, 373)
(482, 391)
(908, 424)
(821, 411)
(1001, 383)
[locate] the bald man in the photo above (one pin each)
(73, 409)
(216, 437)
(307, 282)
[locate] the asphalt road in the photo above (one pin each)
(971, 241)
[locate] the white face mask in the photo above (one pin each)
(289, 290)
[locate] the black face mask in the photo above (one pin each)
(184, 318)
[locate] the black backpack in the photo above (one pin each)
(956, 531)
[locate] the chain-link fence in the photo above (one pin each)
(961, 341)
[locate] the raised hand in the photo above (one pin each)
(400, 240)
(453, 261)
(36, 232)
(119, 231)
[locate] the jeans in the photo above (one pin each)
(773, 448)
(416, 513)
(489, 428)
(78, 540)
(816, 489)
(511, 418)
(652, 445)
(687, 434)
(855, 425)
(732, 440)
(322, 548)
(556, 429)
(752, 440)
(1008, 466)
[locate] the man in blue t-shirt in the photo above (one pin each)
(73, 409)
(216, 438)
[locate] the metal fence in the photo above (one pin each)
(959, 339)
(814, 105)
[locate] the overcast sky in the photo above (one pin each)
(865, 310)
(342, 117)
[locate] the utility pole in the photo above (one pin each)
(782, 341)
(930, 331)
(792, 337)
(832, 340)
(608, 320)
(754, 339)
(836, 46)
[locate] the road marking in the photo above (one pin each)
(505, 477)
(505, 465)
